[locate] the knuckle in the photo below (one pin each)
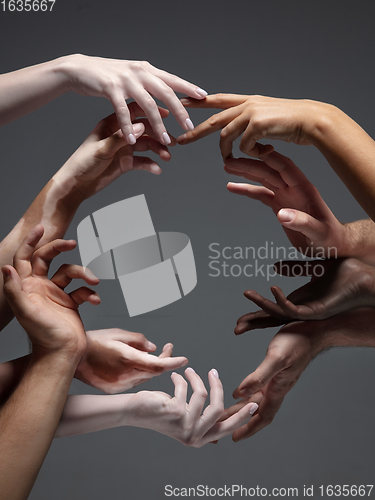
(213, 121)
(149, 104)
(136, 66)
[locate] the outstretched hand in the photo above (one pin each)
(336, 285)
(307, 221)
(117, 360)
(104, 156)
(183, 421)
(47, 313)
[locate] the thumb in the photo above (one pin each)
(313, 229)
(260, 378)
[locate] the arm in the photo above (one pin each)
(289, 353)
(158, 411)
(115, 360)
(29, 418)
(100, 160)
(347, 147)
(26, 90)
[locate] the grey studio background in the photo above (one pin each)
(324, 432)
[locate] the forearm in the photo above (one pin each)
(28, 422)
(28, 89)
(89, 413)
(54, 208)
(349, 150)
(360, 240)
(11, 373)
(350, 329)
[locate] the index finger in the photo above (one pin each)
(219, 101)
(212, 124)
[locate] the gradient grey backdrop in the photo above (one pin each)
(320, 50)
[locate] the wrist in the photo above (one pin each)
(66, 67)
(324, 119)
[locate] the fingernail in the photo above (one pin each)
(131, 139)
(189, 124)
(151, 346)
(166, 138)
(215, 373)
(286, 215)
(201, 92)
(173, 373)
(190, 369)
(253, 408)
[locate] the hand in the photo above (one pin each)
(116, 360)
(307, 221)
(104, 156)
(256, 117)
(336, 286)
(119, 80)
(48, 314)
(183, 421)
(288, 354)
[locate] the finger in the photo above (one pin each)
(216, 407)
(259, 193)
(198, 397)
(212, 124)
(250, 177)
(137, 112)
(148, 130)
(257, 168)
(167, 351)
(22, 258)
(180, 388)
(256, 381)
(178, 84)
(12, 286)
(164, 92)
(300, 311)
(313, 229)
(136, 340)
(128, 163)
(290, 173)
(151, 109)
(155, 364)
(43, 257)
(68, 272)
(84, 294)
(147, 143)
(222, 429)
(269, 406)
(249, 144)
(123, 115)
(267, 305)
(230, 133)
(219, 101)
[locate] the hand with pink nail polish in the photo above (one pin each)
(117, 80)
(288, 355)
(182, 420)
(117, 360)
